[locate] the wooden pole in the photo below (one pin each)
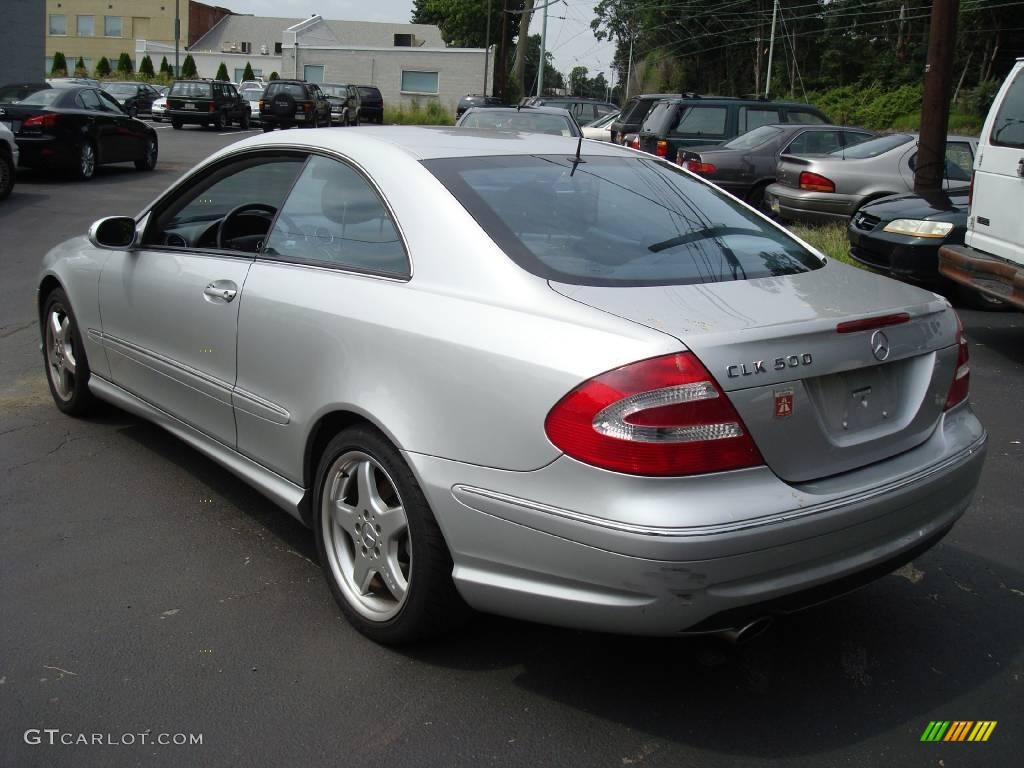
(938, 79)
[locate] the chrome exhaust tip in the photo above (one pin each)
(748, 631)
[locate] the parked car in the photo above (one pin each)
(72, 82)
(600, 129)
(79, 128)
(159, 109)
(345, 102)
(294, 103)
(583, 109)
(135, 98)
(681, 124)
(644, 346)
(991, 261)
(209, 103)
(832, 187)
(631, 117)
(476, 100)
(8, 158)
(17, 91)
(252, 84)
(371, 104)
(746, 165)
(551, 120)
(253, 96)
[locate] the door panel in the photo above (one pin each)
(169, 340)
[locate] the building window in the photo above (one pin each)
(414, 81)
(85, 26)
(112, 26)
(58, 24)
(277, 48)
(313, 73)
(246, 47)
(403, 41)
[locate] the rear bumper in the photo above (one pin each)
(189, 117)
(986, 274)
(809, 207)
(580, 547)
(267, 118)
(44, 151)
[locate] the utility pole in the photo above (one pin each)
(177, 36)
(487, 45)
(757, 65)
(771, 51)
(543, 42)
(938, 77)
(629, 65)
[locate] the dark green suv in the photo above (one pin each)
(680, 123)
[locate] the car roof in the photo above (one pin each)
(529, 108)
(432, 143)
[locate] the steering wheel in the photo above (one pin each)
(243, 239)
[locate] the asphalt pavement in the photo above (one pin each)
(144, 590)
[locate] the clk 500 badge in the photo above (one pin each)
(736, 370)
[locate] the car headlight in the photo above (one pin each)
(918, 228)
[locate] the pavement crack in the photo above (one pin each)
(9, 330)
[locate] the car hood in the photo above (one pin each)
(938, 206)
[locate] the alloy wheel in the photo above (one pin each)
(60, 352)
(87, 161)
(366, 536)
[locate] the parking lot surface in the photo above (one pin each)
(143, 589)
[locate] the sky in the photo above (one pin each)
(569, 37)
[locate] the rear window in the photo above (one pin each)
(617, 221)
(192, 90)
(636, 109)
(529, 122)
(875, 147)
(754, 138)
(369, 92)
(292, 89)
(656, 117)
(804, 117)
(123, 89)
(42, 98)
(1008, 128)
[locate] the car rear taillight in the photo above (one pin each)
(635, 144)
(962, 378)
(213, 106)
(661, 149)
(970, 194)
(662, 416)
(48, 120)
(698, 167)
(816, 182)
(263, 105)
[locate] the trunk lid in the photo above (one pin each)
(816, 401)
(787, 172)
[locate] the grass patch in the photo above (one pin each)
(830, 239)
(432, 114)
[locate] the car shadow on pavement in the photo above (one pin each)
(1005, 340)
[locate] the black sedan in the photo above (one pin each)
(745, 166)
(78, 128)
(900, 236)
(134, 98)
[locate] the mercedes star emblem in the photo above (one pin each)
(879, 345)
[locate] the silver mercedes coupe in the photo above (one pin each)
(532, 375)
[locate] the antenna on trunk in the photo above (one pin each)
(577, 160)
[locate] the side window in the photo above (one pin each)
(855, 137)
(1008, 127)
(89, 100)
(814, 143)
(701, 121)
(108, 103)
(333, 216)
(959, 161)
(195, 213)
(804, 117)
(755, 117)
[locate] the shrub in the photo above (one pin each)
(124, 64)
(222, 72)
(60, 65)
(248, 74)
(103, 68)
(80, 70)
(165, 68)
(188, 68)
(432, 114)
(274, 76)
(146, 67)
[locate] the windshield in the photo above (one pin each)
(122, 89)
(874, 147)
(617, 221)
(754, 138)
(601, 122)
(192, 90)
(292, 89)
(528, 122)
(42, 98)
(252, 94)
(338, 91)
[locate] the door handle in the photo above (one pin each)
(221, 290)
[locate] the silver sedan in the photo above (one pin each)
(817, 189)
(573, 384)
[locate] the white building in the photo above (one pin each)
(407, 62)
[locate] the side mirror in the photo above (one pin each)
(114, 232)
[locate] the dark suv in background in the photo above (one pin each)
(632, 116)
(371, 104)
(345, 102)
(288, 103)
(136, 98)
(476, 100)
(206, 103)
(680, 123)
(583, 109)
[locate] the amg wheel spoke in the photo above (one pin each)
(362, 575)
(393, 523)
(56, 327)
(369, 495)
(391, 572)
(69, 360)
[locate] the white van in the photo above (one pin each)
(992, 257)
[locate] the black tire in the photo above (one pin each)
(79, 399)
(972, 299)
(268, 128)
(432, 606)
(176, 124)
(345, 122)
(7, 175)
(218, 121)
(148, 161)
(85, 169)
(243, 123)
(133, 111)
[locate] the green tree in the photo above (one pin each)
(146, 67)
(80, 70)
(222, 72)
(552, 77)
(248, 74)
(578, 81)
(274, 76)
(165, 68)
(60, 65)
(463, 23)
(188, 68)
(103, 67)
(124, 64)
